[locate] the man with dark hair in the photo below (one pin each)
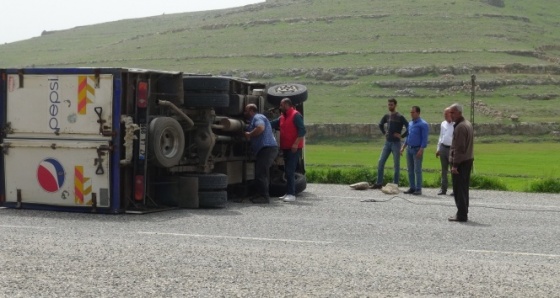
(265, 148)
(292, 134)
(416, 141)
(391, 126)
(443, 146)
(461, 158)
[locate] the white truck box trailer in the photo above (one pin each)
(115, 140)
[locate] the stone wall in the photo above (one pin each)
(341, 130)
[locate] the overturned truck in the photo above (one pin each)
(114, 140)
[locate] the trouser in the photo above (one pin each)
(291, 160)
(461, 184)
(414, 165)
(388, 148)
(264, 160)
(444, 159)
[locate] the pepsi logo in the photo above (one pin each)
(50, 174)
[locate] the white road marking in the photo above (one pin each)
(24, 227)
(513, 253)
(236, 237)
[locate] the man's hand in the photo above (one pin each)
(397, 135)
(454, 170)
(437, 153)
(294, 148)
(248, 135)
(419, 153)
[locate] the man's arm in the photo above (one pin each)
(405, 124)
(382, 124)
(301, 131)
(275, 124)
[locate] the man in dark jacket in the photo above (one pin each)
(461, 158)
(391, 126)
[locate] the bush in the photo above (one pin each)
(482, 182)
(548, 185)
(354, 175)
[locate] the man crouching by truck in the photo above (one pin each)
(264, 146)
(292, 134)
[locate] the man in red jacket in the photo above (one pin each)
(292, 134)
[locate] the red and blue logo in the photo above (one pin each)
(50, 174)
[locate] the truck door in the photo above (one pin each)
(57, 173)
(58, 105)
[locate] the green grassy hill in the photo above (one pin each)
(353, 54)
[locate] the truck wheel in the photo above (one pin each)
(212, 199)
(206, 100)
(166, 142)
(295, 92)
(278, 185)
(211, 84)
(212, 181)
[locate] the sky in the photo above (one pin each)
(24, 19)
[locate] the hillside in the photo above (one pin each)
(353, 55)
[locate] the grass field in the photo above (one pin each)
(516, 165)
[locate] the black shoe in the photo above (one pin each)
(459, 219)
(376, 186)
(417, 192)
(260, 200)
(442, 192)
(451, 194)
(409, 191)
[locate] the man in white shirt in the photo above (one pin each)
(443, 146)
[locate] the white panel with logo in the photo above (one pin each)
(60, 173)
(59, 105)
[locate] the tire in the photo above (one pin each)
(212, 199)
(295, 92)
(210, 181)
(278, 185)
(206, 100)
(201, 83)
(166, 142)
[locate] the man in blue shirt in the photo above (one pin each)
(264, 146)
(416, 141)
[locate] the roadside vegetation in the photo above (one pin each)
(525, 167)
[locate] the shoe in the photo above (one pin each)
(442, 192)
(377, 186)
(260, 200)
(451, 194)
(283, 197)
(459, 219)
(409, 191)
(417, 192)
(289, 198)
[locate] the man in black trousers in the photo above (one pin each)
(461, 158)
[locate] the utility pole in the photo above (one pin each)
(473, 87)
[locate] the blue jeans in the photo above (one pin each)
(390, 147)
(290, 164)
(414, 165)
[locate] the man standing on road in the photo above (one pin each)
(443, 146)
(292, 134)
(394, 122)
(461, 158)
(264, 146)
(416, 141)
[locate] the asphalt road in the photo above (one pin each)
(327, 244)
